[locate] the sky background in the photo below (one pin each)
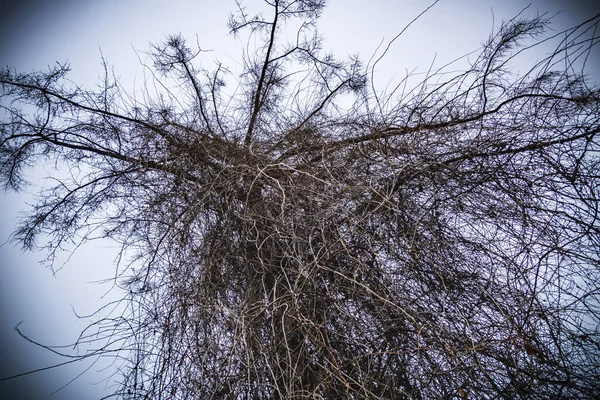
(35, 34)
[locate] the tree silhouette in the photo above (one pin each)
(299, 234)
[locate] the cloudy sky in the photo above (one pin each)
(35, 34)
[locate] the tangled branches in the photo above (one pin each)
(438, 243)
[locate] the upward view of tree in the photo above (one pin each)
(295, 232)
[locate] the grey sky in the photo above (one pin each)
(34, 34)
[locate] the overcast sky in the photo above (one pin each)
(34, 35)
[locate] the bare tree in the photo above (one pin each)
(307, 236)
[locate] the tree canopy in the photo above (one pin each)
(296, 232)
